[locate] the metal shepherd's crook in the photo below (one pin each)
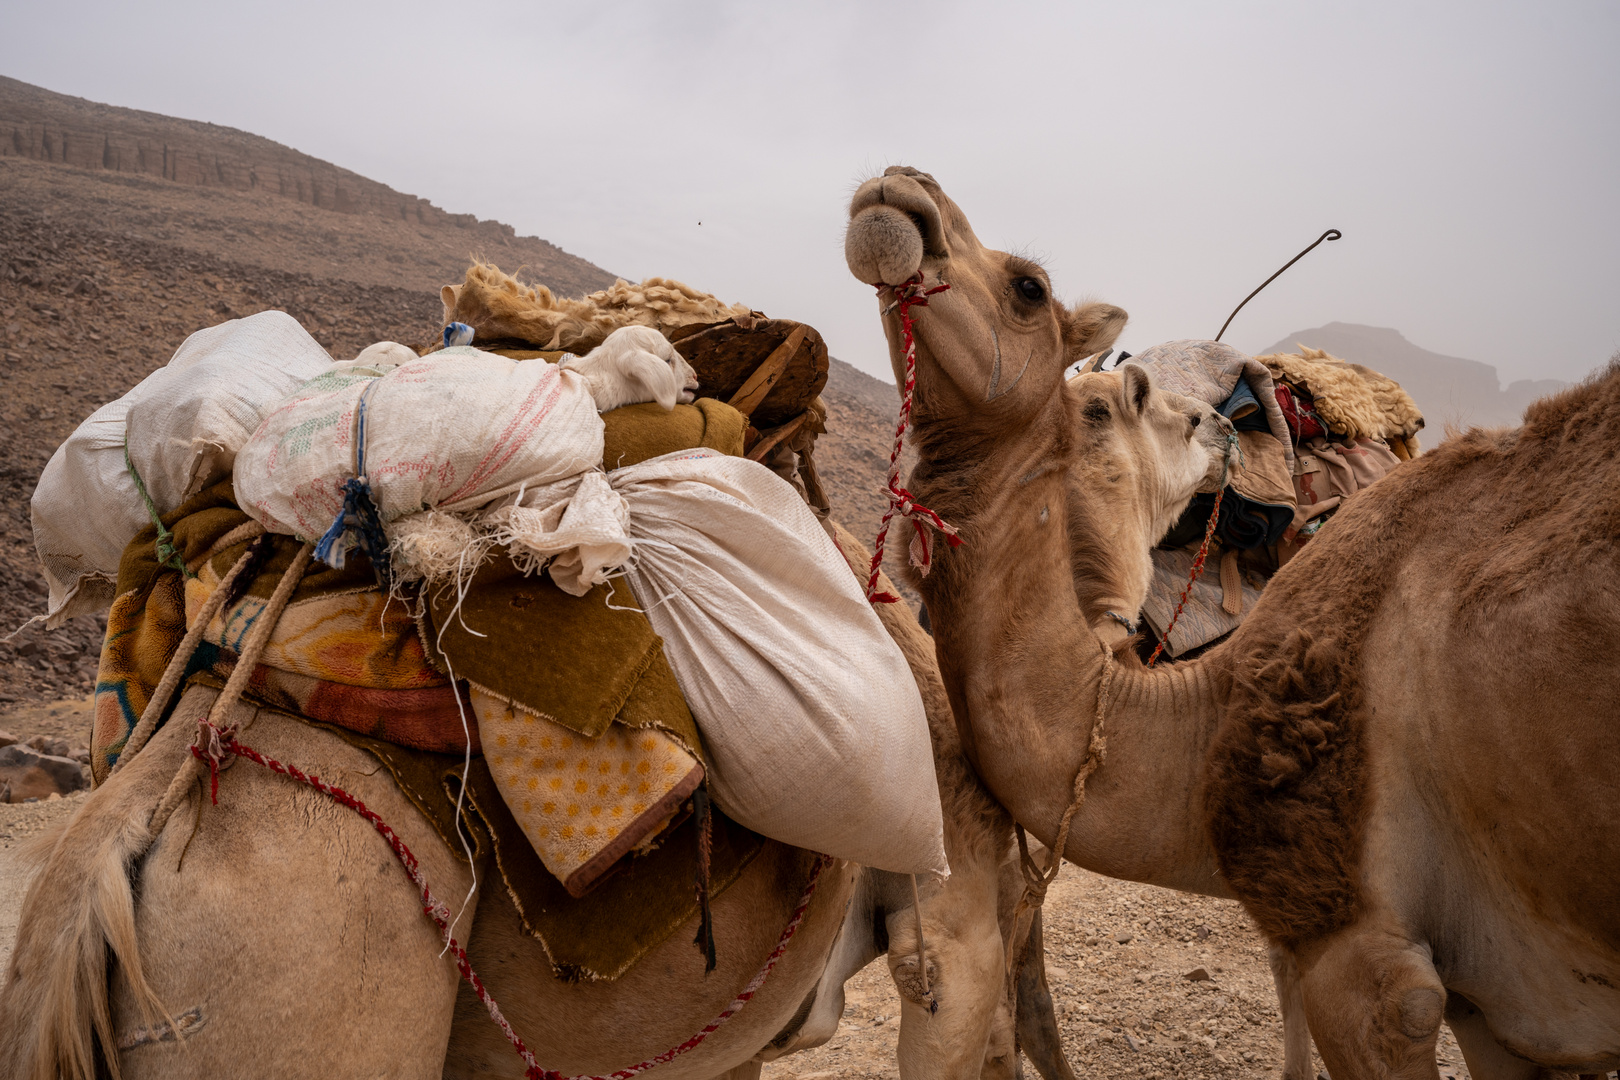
(1331, 234)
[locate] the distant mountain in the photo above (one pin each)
(129, 163)
(1448, 389)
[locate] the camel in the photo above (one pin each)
(1400, 764)
(274, 934)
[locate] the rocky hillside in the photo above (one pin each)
(217, 189)
(1448, 389)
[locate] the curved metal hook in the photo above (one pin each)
(1331, 234)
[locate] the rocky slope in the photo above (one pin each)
(225, 191)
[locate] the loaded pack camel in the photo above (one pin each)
(280, 936)
(1402, 763)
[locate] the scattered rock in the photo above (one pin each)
(7, 738)
(27, 774)
(1124, 937)
(1131, 1041)
(47, 745)
(1201, 933)
(1197, 974)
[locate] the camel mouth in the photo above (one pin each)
(893, 225)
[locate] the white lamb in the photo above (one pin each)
(635, 364)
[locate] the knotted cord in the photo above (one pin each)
(901, 502)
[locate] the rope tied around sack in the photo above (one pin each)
(167, 553)
(901, 502)
(1038, 879)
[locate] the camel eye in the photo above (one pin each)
(1030, 289)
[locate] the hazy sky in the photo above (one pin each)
(1164, 156)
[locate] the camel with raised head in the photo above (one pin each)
(273, 934)
(1401, 763)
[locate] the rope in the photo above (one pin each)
(1197, 569)
(922, 948)
(158, 704)
(258, 638)
(167, 553)
(440, 914)
(1037, 879)
(1203, 548)
(901, 501)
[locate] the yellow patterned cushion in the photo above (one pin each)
(583, 802)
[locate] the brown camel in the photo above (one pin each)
(1401, 763)
(280, 935)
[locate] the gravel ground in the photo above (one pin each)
(18, 824)
(1126, 1008)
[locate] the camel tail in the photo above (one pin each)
(55, 1009)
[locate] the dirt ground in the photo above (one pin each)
(1125, 1008)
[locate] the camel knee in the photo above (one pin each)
(1374, 1004)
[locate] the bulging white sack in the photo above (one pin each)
(452, 431)
(184, 422)
(810, 712)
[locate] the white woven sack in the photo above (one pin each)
(810, 711)
(452, 431)
(184, 422)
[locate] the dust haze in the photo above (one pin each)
(1167, 157)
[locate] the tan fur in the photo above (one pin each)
(1402, 763)
(497, 305)
(1352, 399)
(1095, 327)
(1138, 475)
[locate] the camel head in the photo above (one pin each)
(1141, 453)
(997, 341)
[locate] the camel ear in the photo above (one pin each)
(1092, 327)
(449, 296)
(1138, 384)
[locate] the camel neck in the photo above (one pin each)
(1023, 670)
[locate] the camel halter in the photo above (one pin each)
(902, 504)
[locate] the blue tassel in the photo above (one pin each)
(359, 513)
(458, 333)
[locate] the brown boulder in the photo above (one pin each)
(27, 774)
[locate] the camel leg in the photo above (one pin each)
(945, 1033)
(1291, 1003)
(1038, 1034)
(280, 930)
(1374, 1004)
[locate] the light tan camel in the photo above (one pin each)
(1402, 763)
(279, 933)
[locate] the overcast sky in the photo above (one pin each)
(1164, 156)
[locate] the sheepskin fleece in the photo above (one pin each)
(1354, 400)
(497, 306)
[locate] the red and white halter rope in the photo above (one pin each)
(1197, 569)
(907, 296)
(222, 744)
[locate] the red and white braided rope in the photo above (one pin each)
(901, 502)
(224, 743)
